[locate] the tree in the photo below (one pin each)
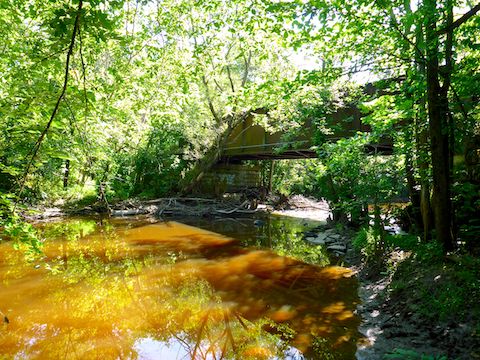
(397, 40)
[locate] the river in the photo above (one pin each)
(184, 289)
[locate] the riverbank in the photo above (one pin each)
(415, 302)
(419, 306)
(162, 207)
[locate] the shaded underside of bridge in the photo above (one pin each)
(250, 141)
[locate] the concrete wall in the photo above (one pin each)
(228, 178)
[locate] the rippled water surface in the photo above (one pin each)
(128, 289)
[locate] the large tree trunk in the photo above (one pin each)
(412, 185)
(207, 161)
(339, 216)
(438, 125)
(422, 139)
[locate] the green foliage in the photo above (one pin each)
(294, 176)
(13, 227)
(405, 354)
(150, 89)
(353, 179)
(407, 242)
(467, 203)
(369, 243)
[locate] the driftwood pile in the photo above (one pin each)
(183, 206)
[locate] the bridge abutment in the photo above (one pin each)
(222, 178)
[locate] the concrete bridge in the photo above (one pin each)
(250, 141)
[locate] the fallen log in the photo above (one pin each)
(129, 212)
(161, 200)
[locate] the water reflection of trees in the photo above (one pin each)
(108, 289)
(281, 234)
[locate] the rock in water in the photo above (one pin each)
(337, 247)
(320, 239)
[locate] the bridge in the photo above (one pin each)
(250, 141)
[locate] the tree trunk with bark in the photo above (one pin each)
(438, 126)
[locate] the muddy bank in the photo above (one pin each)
(202, 207)
(392, 321)
(232, 204)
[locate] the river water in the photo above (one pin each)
(185, 289)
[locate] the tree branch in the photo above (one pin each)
(37, 145)
(229, 74)
(230, 79)
(209, 100)
(247, 68)
(465, 17)
(393, 21)
(218, 85)
(83, 73)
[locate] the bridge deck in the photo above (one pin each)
(250, 141)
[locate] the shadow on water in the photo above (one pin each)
(281, 234)
(128, 289)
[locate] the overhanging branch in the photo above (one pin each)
(37, 145)
(465, 17)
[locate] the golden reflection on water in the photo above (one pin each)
(169, 291)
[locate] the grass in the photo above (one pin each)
(436, 293)
(438, 287)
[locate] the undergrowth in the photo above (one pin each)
(436, 286)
